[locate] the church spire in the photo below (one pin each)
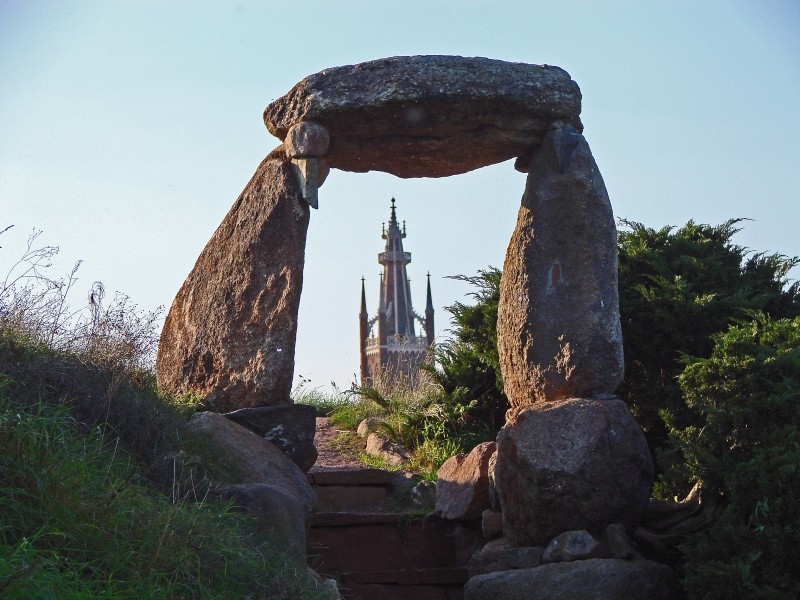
(394, 289)
(393, 349)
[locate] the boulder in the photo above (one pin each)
(382, 447)
(429, 116)
(462, 486)
(367, 426)
(500, 555)
(491, 524)
(253, 459)
(573, 545)
(619, 544)
(230, 333)
(306, 139)
(494, 502)
(581, 463)
(423, 495)
(290, 427)
(558, 327)
(278, 513)
(593, 579)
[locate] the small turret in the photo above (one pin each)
(363, 332)
(429, 334)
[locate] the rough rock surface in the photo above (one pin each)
(231, 331)
(253, 459)
(581, 463)
(277, 512)
(494, 501)
(429, 116)
(290, 427)
(593, 579)
(574, 545)
(491, 524)
(423, 495)
(618, 542)
(462, 485)
(367, 426)
(500, 555)
(306, 139)
(558, 327)
(382, 447)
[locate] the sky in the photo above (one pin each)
(128, 128)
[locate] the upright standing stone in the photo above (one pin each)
(231, 331)
(558, 328)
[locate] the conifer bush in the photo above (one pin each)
(678, 287)
(746, 447)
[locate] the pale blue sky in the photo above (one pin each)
(127, 130)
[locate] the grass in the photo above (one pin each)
(432, 426)
(419, 417)
(78, 522)
(103, 493)
(326, 403)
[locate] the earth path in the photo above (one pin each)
(331, 455)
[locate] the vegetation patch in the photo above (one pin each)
(103, 494)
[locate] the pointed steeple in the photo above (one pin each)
(394, 286)
(394, 350)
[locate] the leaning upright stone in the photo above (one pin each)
(558, 327)
(230, 334)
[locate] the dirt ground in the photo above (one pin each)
(331, 455)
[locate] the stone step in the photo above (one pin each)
(417, 584)
(340, 498)
(376, 554)
(357, 543)
(345, 490)
(360, 477)
(342, 490)
(440, 576)
(380, 591)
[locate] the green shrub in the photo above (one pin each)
(677, 288)
(745, 446)
(468, 363)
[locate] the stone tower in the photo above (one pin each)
(395, 351)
